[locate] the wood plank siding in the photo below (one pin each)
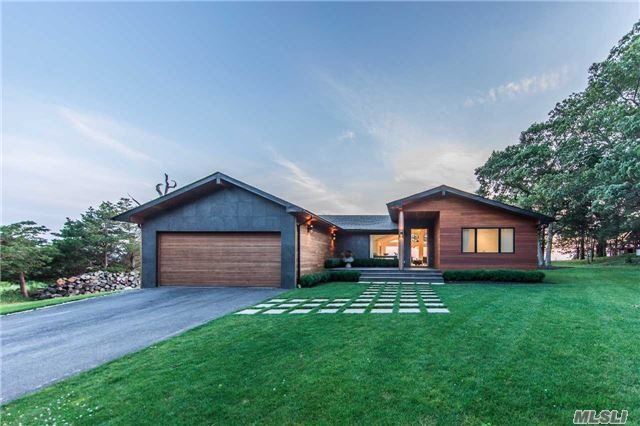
(228, 259)
(455, 213)
(315, 247)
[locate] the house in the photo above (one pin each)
(220, 231)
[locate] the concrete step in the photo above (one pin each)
(415, 277)
(403, 280)
(432, 276)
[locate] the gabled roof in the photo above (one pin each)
(444, 190)
(199, 188)
(362, 222)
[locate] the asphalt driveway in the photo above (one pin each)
(46, 345)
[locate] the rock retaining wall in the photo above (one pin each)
(92, 282)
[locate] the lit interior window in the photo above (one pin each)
(487, 240)
(468, 240)
(506, 240)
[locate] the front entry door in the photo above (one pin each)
(419, 247)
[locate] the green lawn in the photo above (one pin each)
(507, 354)
(12, 301)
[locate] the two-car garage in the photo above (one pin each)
(219, 259)
(218, 232)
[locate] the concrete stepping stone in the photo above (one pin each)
(437, 310)
(409, 310)
(381, 311)
(353, 311)
(383, 305)
(336, 304)
(248, 312)
(327, 311)
(287, 305)
(300, 311)
(319, 300)
(274, 311)
(359, 305)
(277, 300)
(299, 300)
(265, 305)
(311, 305)
(434, 305)
(409, 305)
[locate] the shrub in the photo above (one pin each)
(345, 276)
(313, 279)
(333, 262)
(496, 275)
(373, 262)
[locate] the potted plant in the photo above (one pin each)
(347, 258)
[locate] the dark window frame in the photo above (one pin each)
(475, 239)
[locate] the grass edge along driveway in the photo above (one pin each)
(11, 301)
(506, 354)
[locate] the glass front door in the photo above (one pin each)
(419, 247)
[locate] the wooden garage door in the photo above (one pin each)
(219, 259)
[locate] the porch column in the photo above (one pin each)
(401, 240)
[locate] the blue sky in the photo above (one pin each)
(339, 108)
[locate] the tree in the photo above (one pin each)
(582, 165)
(95, 241)
(24, 250)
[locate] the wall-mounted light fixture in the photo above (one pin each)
(333, 234)
(309, 227)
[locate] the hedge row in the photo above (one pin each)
(310, 280)
(373, 262)
(497, 275)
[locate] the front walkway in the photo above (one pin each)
(378, 298)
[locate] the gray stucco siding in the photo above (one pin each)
(228, 210)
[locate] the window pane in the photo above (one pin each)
(506, 240)
(384, 245)
(488, 240)
(468, 240)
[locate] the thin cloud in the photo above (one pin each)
(347, 136)
(75, 159)
(414, 154)
(107, 132)
(313, 192)
(525, 86)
